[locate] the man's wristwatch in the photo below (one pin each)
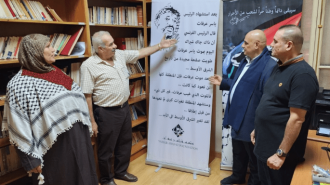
(280, 153)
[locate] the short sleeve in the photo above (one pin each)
(87, 81)
(131, 56)
(304, 89)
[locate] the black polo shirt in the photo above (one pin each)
(293, 85)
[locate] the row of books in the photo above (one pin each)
(3, 134)
(130, 43)
(136, 110)
(137, 88)
(27, 10)
(135, 68)
(62, 43)
(9, 160)
(136, 137)
(123, 15)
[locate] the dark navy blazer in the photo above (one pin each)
(240, 112)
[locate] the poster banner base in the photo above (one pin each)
(180, 168)
(226, 167)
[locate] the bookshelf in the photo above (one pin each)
(75, 14)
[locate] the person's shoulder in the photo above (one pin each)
(16, 80)
(90, 61)
(304, 67)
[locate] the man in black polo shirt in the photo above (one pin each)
(283, 115)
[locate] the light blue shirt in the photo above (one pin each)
(246, 67)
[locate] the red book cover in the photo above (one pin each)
(120, 42)
(72, 42)
(132, 90)
(19, 41)
(50, 13)
(44, 16)
(11, 10)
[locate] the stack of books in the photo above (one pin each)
(135, 68)
(136, 137)
(123, 15)
(27, 10)
(130, 43)
(62, 43)
(136, 110)
(137, 88)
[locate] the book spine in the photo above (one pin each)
(10, 9)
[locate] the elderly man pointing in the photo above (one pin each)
(105, 83)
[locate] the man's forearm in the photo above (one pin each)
(144, 52)
(292, 129)
(90, 106)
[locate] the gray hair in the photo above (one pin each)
(97, 40)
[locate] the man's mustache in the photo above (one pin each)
(168, 27)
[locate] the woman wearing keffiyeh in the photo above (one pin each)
(47, 117)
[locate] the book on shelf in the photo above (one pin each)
(27, 10)
(136, 88)
(3, 134)
(75, 73)
(136, 137)
(71, 42)
(135, 68)
(123, 15)
(130, 43)
(62, 43)
(9, 160)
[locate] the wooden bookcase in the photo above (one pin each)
(75, 14)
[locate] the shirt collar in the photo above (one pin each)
(291, 61)
(248, 59)
(100, 60)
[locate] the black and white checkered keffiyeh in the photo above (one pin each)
(36, 112)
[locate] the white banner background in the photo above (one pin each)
(180, 103)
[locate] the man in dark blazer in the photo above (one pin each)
(245, 92)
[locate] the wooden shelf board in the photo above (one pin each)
(136, 99)
(70, 57)
(12, 176)
(138, 75)
(118, 26)
(15, 61)
(41, 22)
(324, 67)
(138, 154)
(11, 61)
(4, 142)
(139, 146)
(141, 119)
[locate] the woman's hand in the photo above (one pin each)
(95, 129)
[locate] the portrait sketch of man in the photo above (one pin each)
(168, 21)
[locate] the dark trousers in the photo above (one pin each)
(242, 157)
(283, 176)
(70, 161)
(114, 138)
